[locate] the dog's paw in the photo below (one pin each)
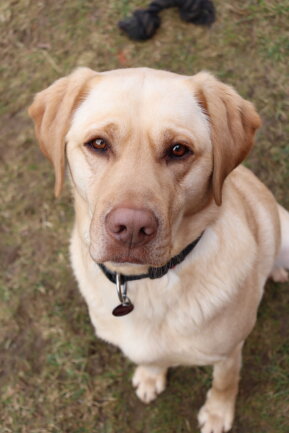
(279, 275)
(216, 419)
(149, 382)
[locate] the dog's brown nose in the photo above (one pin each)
(133, 227)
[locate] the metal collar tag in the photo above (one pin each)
(125, 306)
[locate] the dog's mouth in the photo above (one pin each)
(132, 264)
(132, 260)
(153, 254)
(128, 258)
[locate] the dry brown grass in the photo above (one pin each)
(55, 376)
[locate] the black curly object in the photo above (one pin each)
(143, 24)
(200, 12)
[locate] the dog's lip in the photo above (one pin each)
(134, 262)
(128, 260)
(123, 261)
(120, 259)
(125, 258)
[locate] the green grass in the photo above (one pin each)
(55, 376)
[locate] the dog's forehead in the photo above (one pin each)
(140, 93)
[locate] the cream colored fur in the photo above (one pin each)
(201, 311)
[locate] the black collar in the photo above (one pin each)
(153, 273)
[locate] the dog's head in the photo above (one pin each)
(148, 153)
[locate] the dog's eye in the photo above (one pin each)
(98, 144)
(178, 151)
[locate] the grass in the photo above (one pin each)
(55, 376)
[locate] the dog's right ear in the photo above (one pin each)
(51, 111)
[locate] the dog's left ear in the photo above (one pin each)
(51, 111)
(233, 122)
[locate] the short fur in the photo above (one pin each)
(201, 312)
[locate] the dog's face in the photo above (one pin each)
(147, 151)
(140, 155)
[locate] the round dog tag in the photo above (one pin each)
(122, 309)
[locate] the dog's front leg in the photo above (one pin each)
(217, 414)
(149, 380)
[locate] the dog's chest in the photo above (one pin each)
(162, 328)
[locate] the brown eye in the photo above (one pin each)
(98, 144)
(178, 151)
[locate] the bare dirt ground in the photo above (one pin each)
(55, 376)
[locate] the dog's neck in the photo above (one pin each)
(121, 280)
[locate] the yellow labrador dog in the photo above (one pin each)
(173, 240)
